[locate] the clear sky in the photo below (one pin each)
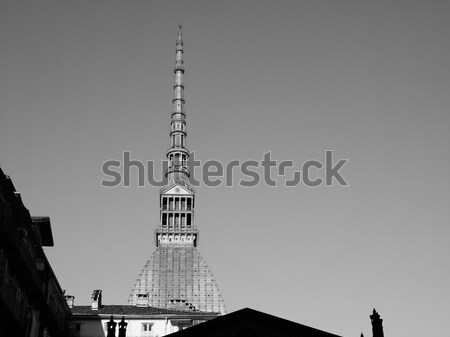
(83, 81)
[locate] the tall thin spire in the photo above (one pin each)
(178, 154)
(177, 206)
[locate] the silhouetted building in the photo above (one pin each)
(31, 301)
(248, 322)
(99, 320)
(176, 275)
(377, 324)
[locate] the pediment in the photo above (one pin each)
(177, 189)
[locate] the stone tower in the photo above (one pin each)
(176, 275)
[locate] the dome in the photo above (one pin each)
(178, 275)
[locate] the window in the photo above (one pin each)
(146, 329)
(188, 220)
(146, 326)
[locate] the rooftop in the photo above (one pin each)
(123, 310)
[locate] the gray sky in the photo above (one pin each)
(83, 81)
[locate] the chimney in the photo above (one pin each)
(70, 300)
(123, 328)
(377, 324)
(96, 300)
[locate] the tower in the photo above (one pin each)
(176, 275)
(377, 324)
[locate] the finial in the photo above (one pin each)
(180, 26)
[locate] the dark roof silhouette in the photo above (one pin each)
(249, 322)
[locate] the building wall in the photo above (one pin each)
(31, 301)
(98, 327)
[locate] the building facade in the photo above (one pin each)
(99, 320)
(32, 303)
(176, 275)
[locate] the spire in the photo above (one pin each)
(177, 226)
(178, 155)
(179, 71)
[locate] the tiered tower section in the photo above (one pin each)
(176, 275)
(178, 154)
(177, 197)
